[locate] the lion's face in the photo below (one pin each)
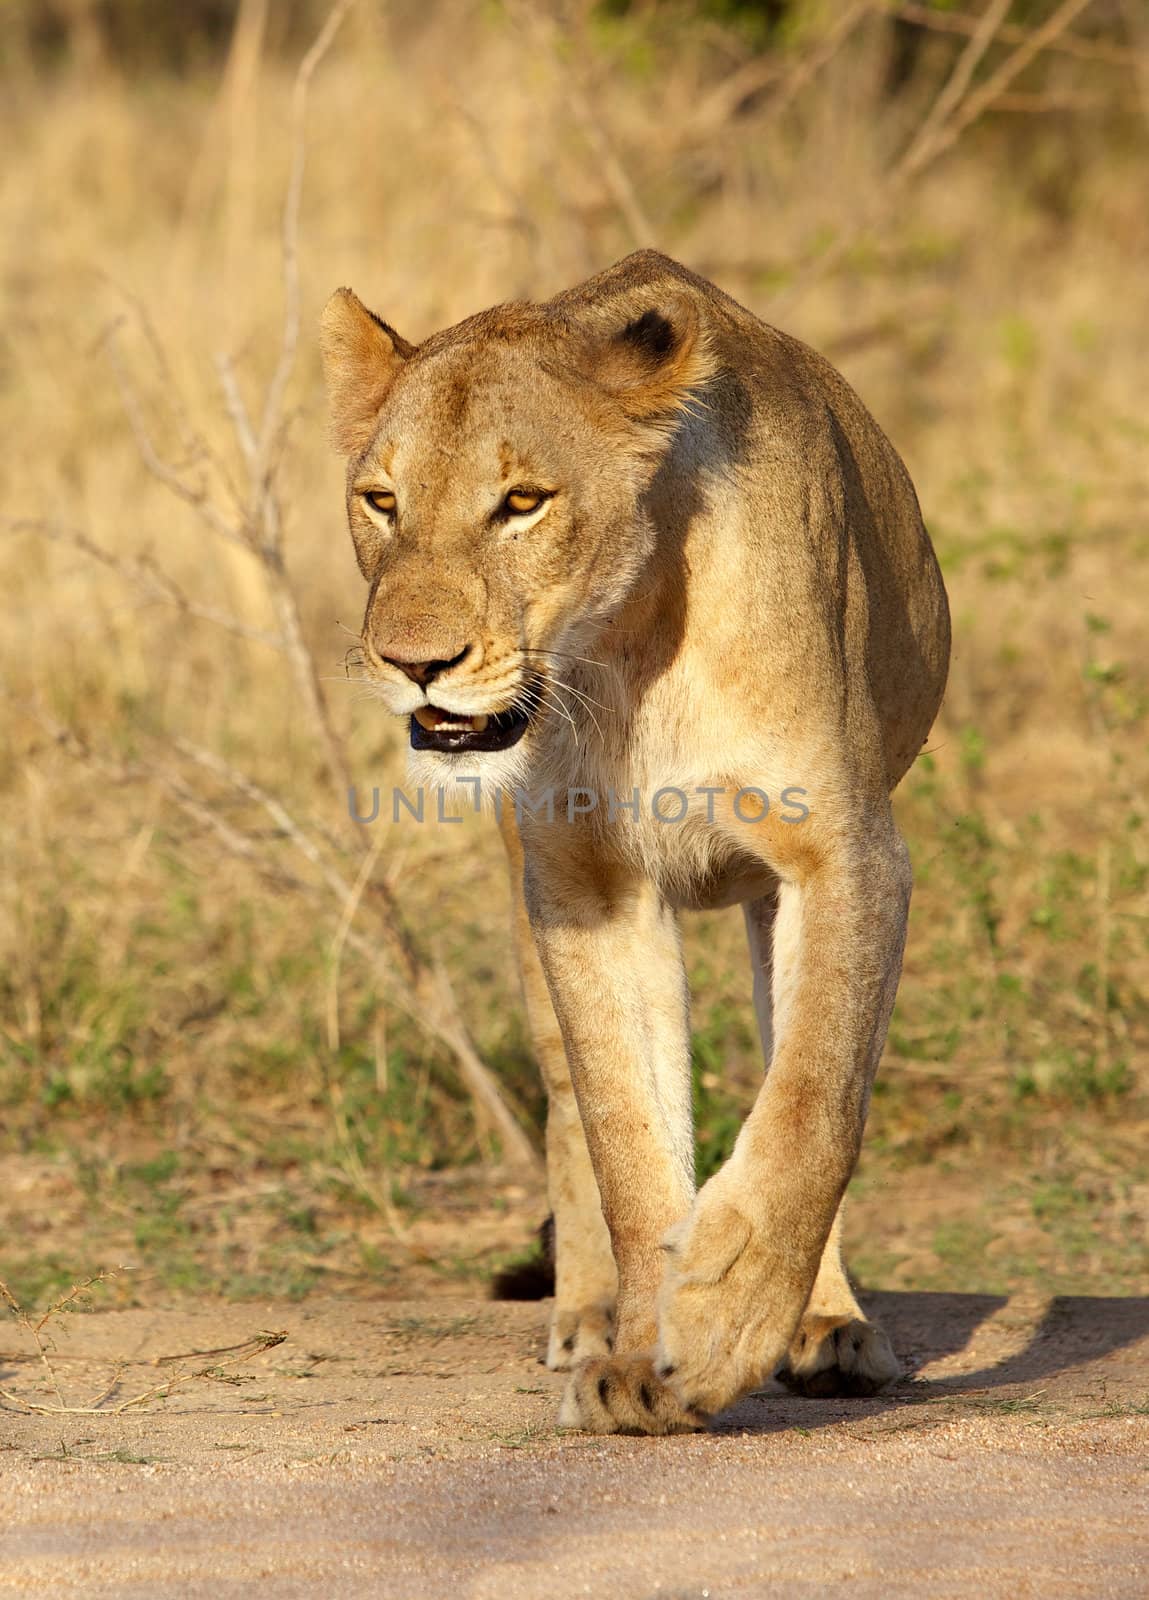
(494, 496)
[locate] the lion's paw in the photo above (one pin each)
(832, 1356)
(718, 1320)
(579, 1335)
(623, 1394)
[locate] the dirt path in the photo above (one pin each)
(407, 1449)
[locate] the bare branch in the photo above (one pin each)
(145, 575)
(923, 152)
(720, 103)
(592, 126)
(98, 1407)
(274, 807)
(425, 993)
(276, 389)
(236, 409)
(962, 75)
(193, 494)
(346, 918)
(968, 110)
(1068, 44)
(420, 988)
(239, 844)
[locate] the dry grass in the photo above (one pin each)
(203, 1069)
(110, 1399)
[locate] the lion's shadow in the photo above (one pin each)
(927, 1328)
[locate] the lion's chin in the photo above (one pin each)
(470, 779)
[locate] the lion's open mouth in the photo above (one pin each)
(450, 733)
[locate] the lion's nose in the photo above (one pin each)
(421, 672)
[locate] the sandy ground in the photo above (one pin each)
(407, 1449)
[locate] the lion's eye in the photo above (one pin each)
(521, 502)
(381, 500)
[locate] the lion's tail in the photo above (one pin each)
(534, 1277)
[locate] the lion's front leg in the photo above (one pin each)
(836, 1349)
(586, 1282)
(742, 1266)
(614, 969)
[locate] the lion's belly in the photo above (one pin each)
(691, 858)
(734, 883)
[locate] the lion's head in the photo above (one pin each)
(495, 482)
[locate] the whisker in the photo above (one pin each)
(570, 689)
(550, 704)
(581, 695)
(565, 655)
(560, 688)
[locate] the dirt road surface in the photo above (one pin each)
(407, 1449)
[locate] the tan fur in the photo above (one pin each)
(731, 587)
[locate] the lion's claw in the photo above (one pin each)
(624, 1394)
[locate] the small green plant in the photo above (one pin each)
(719, 1111)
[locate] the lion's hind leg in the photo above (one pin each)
(837, 1351)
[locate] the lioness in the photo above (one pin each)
(634, 545)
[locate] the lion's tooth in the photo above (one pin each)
(430, 717)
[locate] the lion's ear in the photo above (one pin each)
(654, 360)
(361, 358)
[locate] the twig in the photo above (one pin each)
(193, 494)
(1104, 873)
(236, 409)
(193, 442)
(593, 129)
(143, 574)
(724, 99)
(753, 76)
(943, 134)
(275, 808)
(426, 993)
(35, 1330)
(1069, 44)
(960, 78)
(97, 1407)
(259, 450)
(423, 990)
(276, 389)
(968, 110)
(346, 917)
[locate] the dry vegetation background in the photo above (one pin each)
(244, 1049)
